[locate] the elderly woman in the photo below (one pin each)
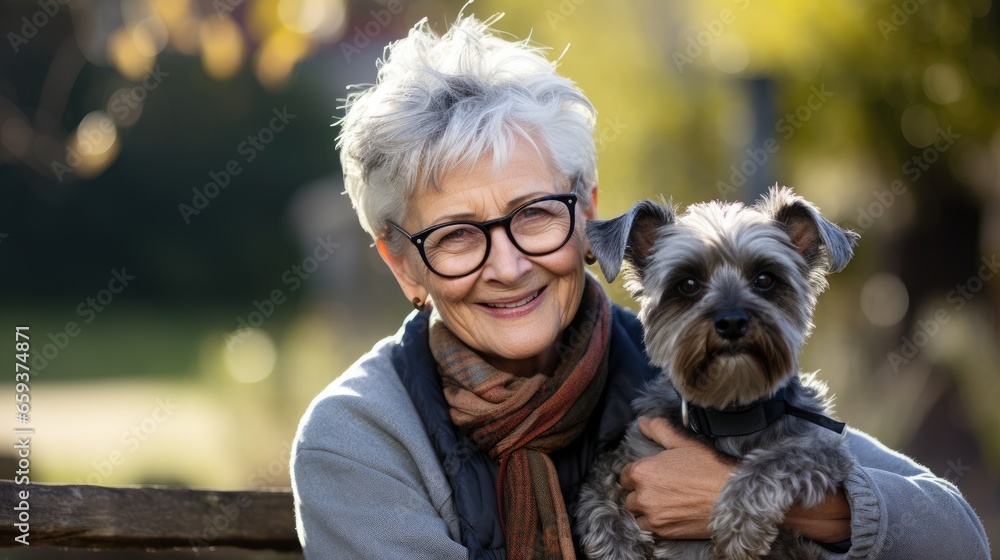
(472, 164)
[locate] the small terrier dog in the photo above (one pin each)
(727, 293)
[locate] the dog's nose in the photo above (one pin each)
(732, 324)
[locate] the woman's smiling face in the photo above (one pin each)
(513, 309)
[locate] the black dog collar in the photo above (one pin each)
(744, 420)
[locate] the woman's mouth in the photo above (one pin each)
(517, 303)
(514, 308)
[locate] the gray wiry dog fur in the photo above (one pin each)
(766, 263)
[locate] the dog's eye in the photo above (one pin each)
(689, 287)
(764, 282)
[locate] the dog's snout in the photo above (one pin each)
(732, 324)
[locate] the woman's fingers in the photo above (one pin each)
(660, 431)
(672, 492)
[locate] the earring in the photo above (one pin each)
(589, 258)
(418, 305)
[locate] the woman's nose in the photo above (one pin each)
(505, 263)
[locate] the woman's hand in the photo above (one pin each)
(672, 493)
(829, 522)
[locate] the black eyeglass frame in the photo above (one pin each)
(418, 238)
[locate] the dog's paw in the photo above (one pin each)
(739, 534)
(609, 531)
(613, 534)
(728, 548)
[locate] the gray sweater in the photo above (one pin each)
(368, 484)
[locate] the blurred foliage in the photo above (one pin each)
(115, 114)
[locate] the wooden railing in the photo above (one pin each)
(146, 517)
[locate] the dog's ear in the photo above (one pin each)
(628, 237)
(809, 231)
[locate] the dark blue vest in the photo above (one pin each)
(472, 473)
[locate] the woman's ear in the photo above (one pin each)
(403, 269)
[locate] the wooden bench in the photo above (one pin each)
(148, 517)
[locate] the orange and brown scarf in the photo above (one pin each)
(520, 420)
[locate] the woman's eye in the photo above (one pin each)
(454, 239)
(764, 282)
(689, 287)
(455, 235)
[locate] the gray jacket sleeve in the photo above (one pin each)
(901, 511)
(366, 480)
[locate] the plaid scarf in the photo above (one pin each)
(520, 420)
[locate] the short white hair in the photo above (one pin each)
(443, 102)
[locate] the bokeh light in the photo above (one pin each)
(181, 24)
(320, 19)
(919, 125)
(94, 145)
(730, 54)
(884, 299)
(277, 57)
(252, 357)
(942, 83)
(128, 52)
(222, 48)
(153, 33)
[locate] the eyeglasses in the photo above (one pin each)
(536, 228)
